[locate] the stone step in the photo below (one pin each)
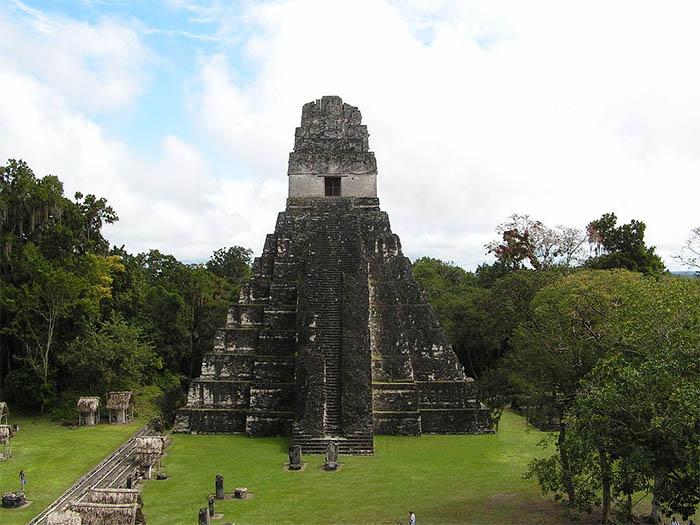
(364, 446)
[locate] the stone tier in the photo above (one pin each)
(246, 384)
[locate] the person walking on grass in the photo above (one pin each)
(22, 480)
(411, 518)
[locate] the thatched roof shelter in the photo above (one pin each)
(87, 405)
(101, 513)
(63, 518)
(115, 496)
(5, 434)
(149, 449)
(118, 400)
(150, 445)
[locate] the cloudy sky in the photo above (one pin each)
(182, 112)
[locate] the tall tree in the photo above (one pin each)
(628, 351)
(28, 206)
(48, 293)
(53, 272)
(562, 342)
(233, 265)
(526, 240)
(690, 253)
(622, 246)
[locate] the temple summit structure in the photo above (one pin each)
(332, 338)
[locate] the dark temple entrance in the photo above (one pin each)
(332, 186)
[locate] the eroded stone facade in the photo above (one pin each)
(333, 338)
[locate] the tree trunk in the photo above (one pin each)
(46, 354)
(655, 518)
(564, 458)
(605, 475)
(628, 508)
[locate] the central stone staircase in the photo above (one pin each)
(330, 259)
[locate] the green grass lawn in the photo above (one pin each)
(443, 479)
(53, 458)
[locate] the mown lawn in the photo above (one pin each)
(443, 479)
(53, 457)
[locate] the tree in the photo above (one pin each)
(621, 246)
(53, 271)
(561, 343)
(110, 356)
(629, 346)
(690, 253)
(231, 264)
(48, 294)
(460, 307)
(27, 206)
(524, 239)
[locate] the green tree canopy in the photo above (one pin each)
(622, 246)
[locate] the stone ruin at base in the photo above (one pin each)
(333, 338)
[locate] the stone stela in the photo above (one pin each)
(333, 339)
(295, 457)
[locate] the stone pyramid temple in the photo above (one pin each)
(332, 338)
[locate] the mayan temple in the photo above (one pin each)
(332, 338)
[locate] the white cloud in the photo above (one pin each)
(563, 111)
(174, 204)
(97, 67)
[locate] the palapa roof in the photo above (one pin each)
(150, 445)
(114, 496)
(118, 400)
(101, 513)
(63, 518)
(149, 449)
(88, 404)
(5, 434)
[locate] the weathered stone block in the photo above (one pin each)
(394, 397)
(397, 423)
(274, 369)
(295, 457)
(455, 421)
(287, 270)
(272, 398)
(259, 292)
(283, 293)
(213, 421)
(219, 485)
(280, 318)
(263, 266)
(245, 316)
(445, 394)
(266, 423)
(392, 368)
(218, 393)
(236, 339)
(277, 342)
(219, 365)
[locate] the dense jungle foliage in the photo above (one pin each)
(587, 335)
(80, 318)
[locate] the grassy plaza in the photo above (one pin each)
(53, 457)
(443, 479)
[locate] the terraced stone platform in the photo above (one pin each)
(333, 338)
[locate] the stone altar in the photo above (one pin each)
(332, 338)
